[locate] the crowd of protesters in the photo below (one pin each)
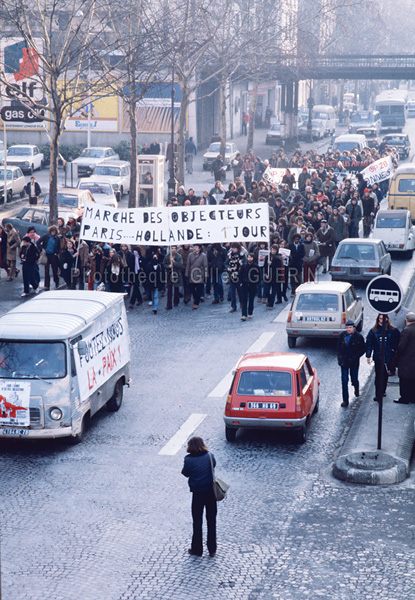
(309, 216)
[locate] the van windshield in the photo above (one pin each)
(406, 185)
(318, 302)
(342, 146)
(320, 115)
(265, 383)
(21, 360)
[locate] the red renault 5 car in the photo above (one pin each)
(272, 390)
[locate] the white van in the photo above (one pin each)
(63, 355)
(349, 141)
(325, 113)
(395, 228)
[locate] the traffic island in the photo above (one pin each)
(360, 460)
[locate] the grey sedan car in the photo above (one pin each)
(38, 217)
(360, 259)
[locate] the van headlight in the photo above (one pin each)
(55, 413)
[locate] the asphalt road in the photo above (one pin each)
(110, 518)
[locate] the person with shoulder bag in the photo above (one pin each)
(198, 467)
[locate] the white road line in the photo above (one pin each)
(223, 386)
(282, 317)
(180, 437)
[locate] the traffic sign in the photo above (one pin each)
(384, 294)
(23, 114)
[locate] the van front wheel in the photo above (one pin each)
(114, 403)
(77, 439)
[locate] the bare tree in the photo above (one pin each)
(63, 38)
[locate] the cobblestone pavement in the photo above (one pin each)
(110, 518)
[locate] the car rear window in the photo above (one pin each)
(357, 252)
(385, 222)
(316, 302)
(265, 383)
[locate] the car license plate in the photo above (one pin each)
(392, 245)
(316, 319)
(13, 431)
(354, 270)
(263, 405)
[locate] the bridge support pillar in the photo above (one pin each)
(289, 109)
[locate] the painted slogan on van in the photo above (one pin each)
(106, 352)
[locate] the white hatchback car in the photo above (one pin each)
(26, 156)
(16, 183)
(102, 191)
(395, 228)
(117, 172)
(90, 157)
(322, 309)
(212, 152)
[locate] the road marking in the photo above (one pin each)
(282, 317)
(223, 386)
(180, 437)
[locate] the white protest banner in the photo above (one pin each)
(166, 226)
(275, 175)
(262, 255)
(14, 402)
(379, 170)
(107, 351)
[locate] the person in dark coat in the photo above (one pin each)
(249, 277)
(274, 274)
(136, 275)
(173, 263)
(197, 467)
(350, 347)
(327, 247)
(368, 204)
(155, 272)
(405, 360)
(50, 242)
(33, 190)
(374, 348)
(216, 257)
(296, 262)
(29, 254)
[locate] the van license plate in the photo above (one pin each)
(10, 431)
(263, 405)
(316, 319)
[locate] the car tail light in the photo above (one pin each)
(374, 270)
(400, 246)
(335, 268)
(343, 318)
(228, 400)
(298, 404)
(290, 314)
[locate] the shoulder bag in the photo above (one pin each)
(219, 486)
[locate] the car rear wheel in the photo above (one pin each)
(359, 326)
(23, 193)
(230, 434)
(291, 341)
(388, 271)
(300, 435)
(121, 192)
(317, 406)
(114, 403)
(9, 195)
(31, 169)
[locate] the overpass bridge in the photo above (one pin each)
(353, 66)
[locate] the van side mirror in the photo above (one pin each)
(82, 348)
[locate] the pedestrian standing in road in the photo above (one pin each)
(311, 258)
(173, 263)
(350, 347)
(355, 213)
(3, 250)
(197, 467)
(274, 275)
(374, 348)
(326, 238)
(216, 169)
(33, 190)
(249, 276)
(405, 360)
(190, 151)
(29, 255)
(237, 165)
(196, 271)
(13, 245)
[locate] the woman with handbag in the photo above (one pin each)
(198, 468)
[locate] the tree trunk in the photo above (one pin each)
(132, 197)
(251, 124)
(53, 171)
(222, 93)
(181, 133)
